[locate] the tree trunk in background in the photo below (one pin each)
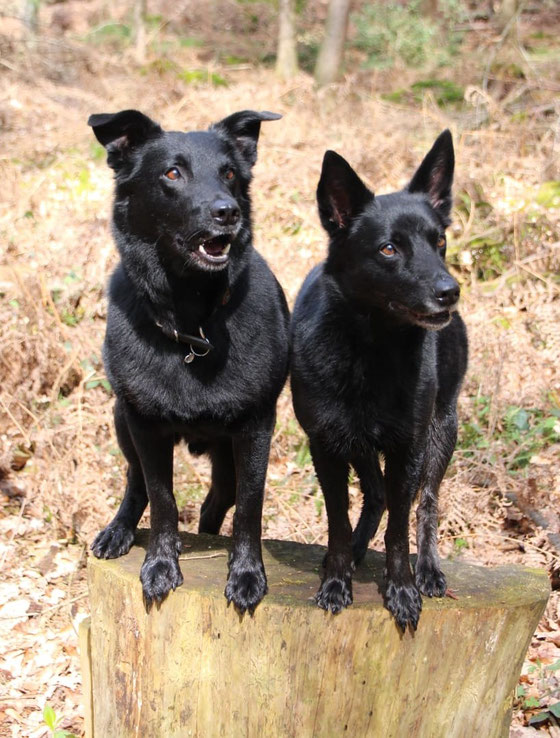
(31, 15)
(286, 59)
(507, 12)
(139, 28)
(329, 61)
(430, 8)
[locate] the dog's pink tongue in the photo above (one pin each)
(214, 248)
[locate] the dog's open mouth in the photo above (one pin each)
(432, 321)
(214, 250)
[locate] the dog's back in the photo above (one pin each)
(379, 353)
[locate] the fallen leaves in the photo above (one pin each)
(38, 623)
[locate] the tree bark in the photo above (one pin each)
(329, 61)
(430, 7)
(286, 59)
(193, 667)
(31, 15)
(506, 14)
(139, 26)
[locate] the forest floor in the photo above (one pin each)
(61, 472)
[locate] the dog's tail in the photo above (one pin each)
(366, 528)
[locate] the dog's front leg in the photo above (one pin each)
(335, 592)
(402, 598)
(160, 571)
(246, 585)
(117, 538)
(442, 436)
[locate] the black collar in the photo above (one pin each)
(194, 342)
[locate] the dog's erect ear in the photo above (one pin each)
(341, 194)
(435, 175)
(244, 128)
(121, 132)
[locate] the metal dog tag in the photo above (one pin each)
(192, 353)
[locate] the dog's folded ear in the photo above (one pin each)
(435, 175)
(244, 128)
(341, 194)
(121, 132)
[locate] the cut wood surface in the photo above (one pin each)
(194, 667)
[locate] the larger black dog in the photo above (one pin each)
(197, 338)
(379, 354)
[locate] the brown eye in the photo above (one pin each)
(173, 173)
(230, 174)
(441, 242)
(388, 249)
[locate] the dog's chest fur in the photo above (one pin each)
(209, 394)
(366, 388)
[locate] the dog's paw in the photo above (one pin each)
(430, 580)
(160, 574)
(405, 603)
(246, 586)
(115, 540)
(334, 594)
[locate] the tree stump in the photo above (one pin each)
(194, 667)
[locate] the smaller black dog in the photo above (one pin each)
(197, 338)
(379, 354)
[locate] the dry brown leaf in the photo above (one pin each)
(12, 613)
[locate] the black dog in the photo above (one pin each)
(197, 338)
(379, 354)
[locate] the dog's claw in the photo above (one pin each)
(430, 580)
(160, 572)
(159, 576)
(405, 603)
(246, 587)
(113, 541)
(334, 594)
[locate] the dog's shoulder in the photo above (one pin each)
(263, 285)
(310, 294)
(321, 354)
(126, 309)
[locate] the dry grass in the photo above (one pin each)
(61, 473)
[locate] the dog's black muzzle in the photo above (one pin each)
(446, 291)
(437, 310)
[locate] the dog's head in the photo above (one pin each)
(388, 252)
(187, 194)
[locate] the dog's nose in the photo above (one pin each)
(225, 212)
(446, 291)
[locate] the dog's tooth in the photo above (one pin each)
(227, 248)
(202, 249)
